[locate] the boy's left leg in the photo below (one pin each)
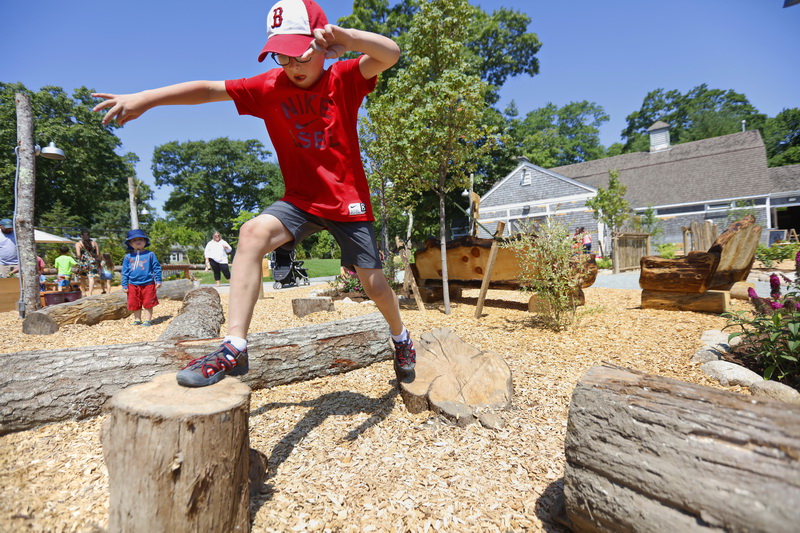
(377, 288)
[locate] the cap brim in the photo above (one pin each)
(290, 45)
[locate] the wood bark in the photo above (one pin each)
(200, 317)
(705, 302)
(75, 383)
(455, 379)
(739, 244)
(691, 273)
(648, 453)
(178, 458)
(25, 194)
(92, 310)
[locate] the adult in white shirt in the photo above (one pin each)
(216, 253)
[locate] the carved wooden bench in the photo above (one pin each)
(702, 281)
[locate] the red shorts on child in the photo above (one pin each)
(142, 297)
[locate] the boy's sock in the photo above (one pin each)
(238, 342)
(403, 337)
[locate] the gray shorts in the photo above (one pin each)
(356, 239)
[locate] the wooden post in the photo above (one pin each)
(178, 458)
(487, 276)
(408, 276)
(23, 213)
(615, 253)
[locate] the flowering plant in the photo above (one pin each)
(771, 332)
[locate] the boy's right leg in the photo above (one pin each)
(257, 237)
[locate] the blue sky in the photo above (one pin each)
(611, 53)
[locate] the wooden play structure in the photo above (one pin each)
(469, 263)
(703, 281)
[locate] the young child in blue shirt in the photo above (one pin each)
(141, 277)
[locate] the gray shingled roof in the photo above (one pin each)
(785, 179)
(731, 166)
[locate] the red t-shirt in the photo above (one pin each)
(315, 136)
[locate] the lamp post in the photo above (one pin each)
(24, 194)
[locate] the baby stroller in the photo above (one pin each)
(286, 271)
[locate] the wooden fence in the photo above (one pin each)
(629, 248)
(699, 236)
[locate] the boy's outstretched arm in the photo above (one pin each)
(126, 107)
(380, 52)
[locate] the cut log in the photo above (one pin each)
(648, 453)
(74, 383)
(178, 458)
(706, 302)
(305, 306)
(94, 309)
(739, 243)
(455, 379)
(200, 317)
(691, 273)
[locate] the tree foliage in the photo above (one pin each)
(215, 180)
(91, 178)
(499, 41)
(782, 137)
(553, 136)
(692, 116)
(610, 206)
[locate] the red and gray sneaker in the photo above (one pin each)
(224, 361)
(405, 356)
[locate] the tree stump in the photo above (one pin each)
(648, 453)
(94, 309)
(178, 458)
(455, 379)
(200, 317)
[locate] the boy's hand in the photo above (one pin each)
(330, 40)
(158, 285)
(122, 107)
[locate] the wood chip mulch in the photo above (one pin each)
(344, 454)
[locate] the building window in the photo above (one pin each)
(526, 177)
(718, 207)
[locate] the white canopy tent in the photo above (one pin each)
(42, 237)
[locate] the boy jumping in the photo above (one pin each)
(311, 115)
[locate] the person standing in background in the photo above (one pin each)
(216, 253)
(88, 253)
(9, 261)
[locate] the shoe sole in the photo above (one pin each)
(187, 378)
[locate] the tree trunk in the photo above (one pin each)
(648, 453)
(25, 193)
(74, 383)
(200, 317)
(178, 458)
(92, 310)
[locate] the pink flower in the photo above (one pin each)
(774, 285)
(775, 305)
(751, 292)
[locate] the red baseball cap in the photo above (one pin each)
(290, 27)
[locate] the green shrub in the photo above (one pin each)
(775, 253)
(552, 269)
(667, 250)
(602, 262)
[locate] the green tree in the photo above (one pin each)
(427, 123)
(610, 206)
(165, 234)
(552, 136)
(782, 138)
(701, 111)
(499, 41)
(92, 175)
(214, 180)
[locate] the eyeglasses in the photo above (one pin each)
(284, 60)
